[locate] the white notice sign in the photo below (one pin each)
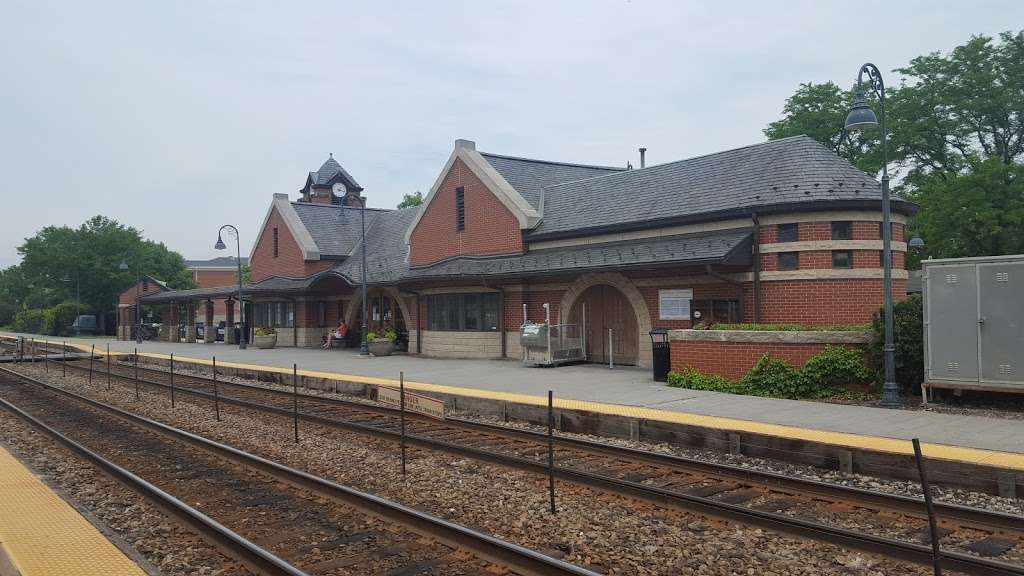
(674, 304)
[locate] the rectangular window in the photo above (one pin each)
(460, 209)
(881, 231)
(789, 260)
(789, 232)
(842, 259)
(674, 304)
(145, 284)
(842, 231)
(275, 242)
(274, 314)
(463, 312)
(321, 314)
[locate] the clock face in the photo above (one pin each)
(339, 189)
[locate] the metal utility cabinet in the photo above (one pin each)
(974, 323)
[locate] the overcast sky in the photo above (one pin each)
(176, 117)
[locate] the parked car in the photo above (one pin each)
(84, 324)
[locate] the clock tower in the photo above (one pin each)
(331, 184)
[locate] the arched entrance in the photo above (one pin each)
(605, 307)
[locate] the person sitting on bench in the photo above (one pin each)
(339, 333)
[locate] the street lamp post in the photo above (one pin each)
(138, 298)
(241, 303)
(364, 348)
(861, 116)
(78, 297)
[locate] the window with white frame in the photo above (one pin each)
(674, 304)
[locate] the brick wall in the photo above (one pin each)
(811, 231)
(489, 227)
(820, 302)
(127, 297)
(289, 260)
(734, 359)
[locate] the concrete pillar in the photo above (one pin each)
(190, 322)
(211, 331)
(229, 329)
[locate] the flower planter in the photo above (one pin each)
(381, 347)
(265, 342)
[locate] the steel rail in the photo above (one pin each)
(965, 516)
(517, 558)
(222, 538)
(891, 548)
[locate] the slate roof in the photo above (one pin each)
(386, 250)
(334, 228)
(328, 170)
(724, 247)
(529, 177)
(218, 262)
(790, 173)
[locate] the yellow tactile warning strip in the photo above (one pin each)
(43, 535)
(1006, 460)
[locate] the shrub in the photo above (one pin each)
(7, 312)
(775, 377)
(57, 321)
(908, 335)
(697, 380)
(834, 369)
(793, 327)
(29, 321)
(388, 335)
(265, 331)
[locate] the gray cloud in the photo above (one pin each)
(176, 117)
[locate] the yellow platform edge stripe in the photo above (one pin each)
(44, 536)
(979, 456)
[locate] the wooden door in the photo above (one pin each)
(607, 308)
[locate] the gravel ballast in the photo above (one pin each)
(601, 531)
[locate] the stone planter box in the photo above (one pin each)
(265, 342)
(381, 347)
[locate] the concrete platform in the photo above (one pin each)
(630, 392)
(42, 535)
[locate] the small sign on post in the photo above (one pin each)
(413, 402)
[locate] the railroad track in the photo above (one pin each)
(849, 517)
(274, 519)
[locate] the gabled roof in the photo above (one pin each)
(529, 177)
(465, 151)
(386, 250)
(329, 173)
(791, 173)
(335, 229)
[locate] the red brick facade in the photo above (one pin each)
(288, 260)
(734, 359)
(490, 228)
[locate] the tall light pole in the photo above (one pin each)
(241, 303)
(861, 116)
(364, 348)
(138, 303)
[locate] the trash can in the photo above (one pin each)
(662, 354)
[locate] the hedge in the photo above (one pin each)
(827, 373)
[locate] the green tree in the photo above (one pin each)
(408, 200)
(977, 213)
(88, 256)
(819, 111)
(956, 141)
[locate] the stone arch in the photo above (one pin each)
(632, 294)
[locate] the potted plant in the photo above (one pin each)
(266, 337)
(381, 343)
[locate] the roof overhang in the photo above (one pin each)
(465, 150)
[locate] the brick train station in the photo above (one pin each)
(779, 232)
